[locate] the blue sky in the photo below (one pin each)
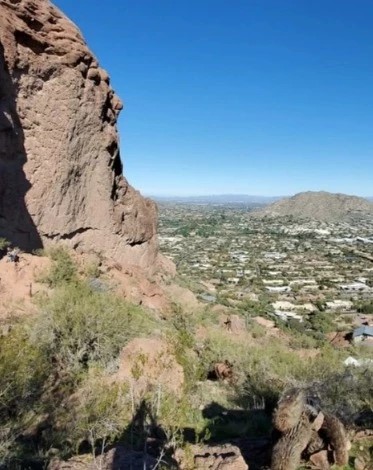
(266, 97)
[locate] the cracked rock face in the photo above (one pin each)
(60, 169)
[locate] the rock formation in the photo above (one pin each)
(221, 371)
(302, 431)
(289, 410)
(148, 363)
(222, 457)
(60, 170)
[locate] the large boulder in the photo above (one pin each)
(149, 363)
(60, 169)
(219, 457)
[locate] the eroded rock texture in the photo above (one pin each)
(60, 170)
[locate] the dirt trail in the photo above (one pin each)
(18, 284)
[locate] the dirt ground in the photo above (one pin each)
(19, 284)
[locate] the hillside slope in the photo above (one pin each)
(322, 206)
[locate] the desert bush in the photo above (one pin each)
(346, 393)
(251, 308)
(305, 340)
(365, 307)
(181, 336)
(296, 325)
(78, 326)
(184, 326)
(94, 416)
(321, 322)
(101, 412)
(177, 414)
(63, 268)
(257, 331)
(92, 269)
(262, 369)
(219, 347)
(4, 243)
(7, 443)
(23, 371)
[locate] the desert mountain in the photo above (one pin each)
(322, 206)
(60, 169)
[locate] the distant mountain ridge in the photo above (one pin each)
(218, 199)
(227, 199)
(322, 206)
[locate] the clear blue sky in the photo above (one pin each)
(267, 97)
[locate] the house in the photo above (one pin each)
(339, 305)
(274, 255)
(354, 287)
(273, 282)
(208, 297)
(363, 333)
(284, 305)
(304, 282)
(233, 280)
(278, 289)
(285, 316)
(364, 240)
(351, 361)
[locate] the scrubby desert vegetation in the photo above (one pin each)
(80, 374)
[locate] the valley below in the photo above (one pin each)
(229, 332)
(193, 369)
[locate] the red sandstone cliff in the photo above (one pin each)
(60, 169)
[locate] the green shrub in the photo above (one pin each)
(176, 414)
(4, 244)
(321, 322)
(257, 331)
(23, 370)
(63, 268)
(78, 326)
(184, 328)
(296, 325)
(92, 270)
(365, 307)
(97, 414)
(305, 341)
(347, 393)
(182, 338)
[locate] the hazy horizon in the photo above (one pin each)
(237, 195)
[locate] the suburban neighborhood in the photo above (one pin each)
(283, 268)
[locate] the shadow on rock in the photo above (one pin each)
(144, 444)
(248, 430)
(16, 224)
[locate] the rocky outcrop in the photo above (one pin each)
(222, 457)
(148, 363)
(302, 431)
(60, 170)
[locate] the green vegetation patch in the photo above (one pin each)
(78, 326)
